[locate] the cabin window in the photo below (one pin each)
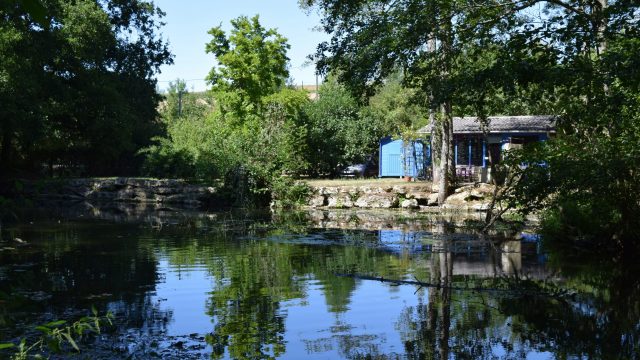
(469, 151)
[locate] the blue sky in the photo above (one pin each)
(189, 20)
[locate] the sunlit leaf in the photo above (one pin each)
(55, 323)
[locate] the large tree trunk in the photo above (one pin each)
(446, 125)
(447, 119)
(446, 273)
(436, 140)
(436, 143)
(452, 160)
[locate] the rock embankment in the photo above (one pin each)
(134, 190)
(468, 198)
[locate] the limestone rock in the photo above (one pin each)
(340, 200)
(374, 189)
(418, 195)
(457, 199)
(381, 201)
(472, 197)
(125, 195)
(317, 201)
(409, 204)
(328, 190)
(351, 190)
(483, 206)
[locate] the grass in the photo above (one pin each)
(363, 182)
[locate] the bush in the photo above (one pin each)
(288, 193)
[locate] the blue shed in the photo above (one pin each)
(403, 158)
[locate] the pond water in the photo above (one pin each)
(311, 285)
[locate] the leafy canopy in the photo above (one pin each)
(252, 61)
(78, 89)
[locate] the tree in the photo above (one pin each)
(78, 92)
(332, 118)
(395, 108)
(179, 102)
(252, 64)
(191, 145)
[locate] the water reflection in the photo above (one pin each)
(234, 285)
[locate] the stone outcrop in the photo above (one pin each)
(378, 201)
(409, 204)
(414, 197)
(133, 190)
(471, 197)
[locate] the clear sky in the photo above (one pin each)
(188, 21)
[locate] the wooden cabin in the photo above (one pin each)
(471, 148)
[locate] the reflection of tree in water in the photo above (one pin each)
(425, 329)
(245, 302)
(253, 277)
(592, 311)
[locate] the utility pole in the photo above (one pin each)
(179, 102)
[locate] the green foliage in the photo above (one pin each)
(257, 131)
(180, 103)
(394, 108)
(195, 148)
(55, 336)
(289, 193)
(334, 123)
(586, 177)
(77, 90)
(252, 64)
(281, 144)
(589, 171)
(342, 131)
(194, 143)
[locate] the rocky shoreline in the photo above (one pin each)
(475, 197)
(162, 192)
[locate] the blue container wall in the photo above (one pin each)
(390, 157)
(397, 160)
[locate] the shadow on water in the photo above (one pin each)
(319, 284)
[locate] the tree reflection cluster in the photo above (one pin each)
(258, 267)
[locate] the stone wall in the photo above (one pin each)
(132, 190)
(417, 197)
